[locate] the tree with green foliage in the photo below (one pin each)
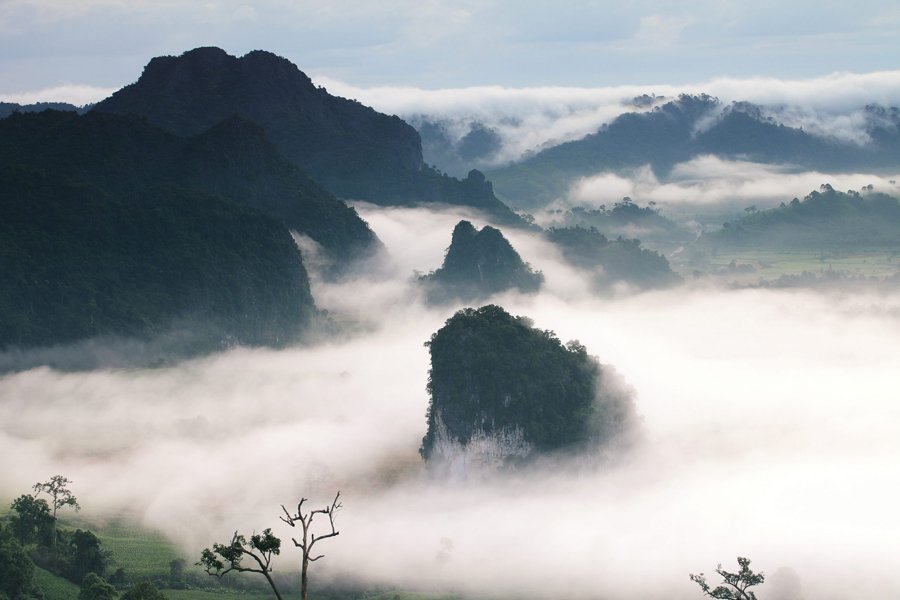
(734, 586)
(225, 558)
(16, 568)
(93, 587)
(86, 556)
(33, 522)
(176, 573)
(60, 495)
(144, 590)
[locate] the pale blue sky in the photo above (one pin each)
(436, 43)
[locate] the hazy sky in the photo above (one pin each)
(443, 43)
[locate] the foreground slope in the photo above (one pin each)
(76, 262)
(121, 154)
(352, 150)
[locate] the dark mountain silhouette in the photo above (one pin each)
(688, 127)
(8, 108)
(351, 149)
(477, 265)
(124, 154)
(77, 262)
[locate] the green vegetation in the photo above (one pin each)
(76, 262)
(53, 587)
(734, 586)
(825, 220)
(352, 150)
(612, 261)
(477, 265)
(626, 219)
(125, 154)
(490, 370)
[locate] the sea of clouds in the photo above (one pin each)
(770, 418)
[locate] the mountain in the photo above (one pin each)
(352, 150)
(825, 220)
(77, 262)
(8, 108)
(504, 393)
(123, 154)
(627, 219)
(479, 264)
(688, 127)
(612, 261)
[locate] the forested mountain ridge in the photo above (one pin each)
(77, 262)
(825, 219)
(352, 150)
(8, 108)
(477, 265)
(611, 261)
(122, 154)
(688, 127)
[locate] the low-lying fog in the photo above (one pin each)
(529, 119)
(771, 421)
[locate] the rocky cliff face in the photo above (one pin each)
(506, 395)
(477, 265)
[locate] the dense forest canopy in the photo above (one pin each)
(490, 371)
(824, 220)
(122, 154)
(76, 262)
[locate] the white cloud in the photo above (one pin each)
(771, 419)
(78, 95)
(712, 180)
(662, 30)
(530, 118)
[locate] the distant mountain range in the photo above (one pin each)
(688, 127)
(8, 108)
(352, 150)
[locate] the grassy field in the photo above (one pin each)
(53, 587)
(772, 265)
(142, 553)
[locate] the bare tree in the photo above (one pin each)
(223, 559)
(61, 495)
(734, 585)
(309, 538)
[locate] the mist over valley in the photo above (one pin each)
(534, 342)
